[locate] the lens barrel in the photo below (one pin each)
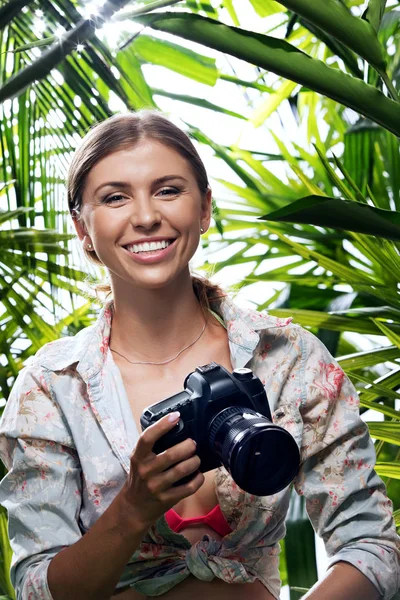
(261, 457)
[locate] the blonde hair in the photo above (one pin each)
(122, 131)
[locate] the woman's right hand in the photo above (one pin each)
(148, 489)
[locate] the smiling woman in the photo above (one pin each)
(85, 492)
(124, 133)
(153, 197)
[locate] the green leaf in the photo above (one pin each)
(336, 19)
(389, 26)
(9, 215)
(336, 47)
(374, 13)
(385, 431)
(388, 331)
(263, 111)
(283, 59)
(339, 183)
(354, 191)
(356, 277)
(9, 10)
(37, 44)
(314, 318)
(396, 516)
(133, 82)
(373, 392)
(299, 546)
(247, 84)
(177, 58)
(370, 358)
(198, 102)
(231, 10)
(385, 410)
(265, 8)
(338, 213)
(388, 469)
(375, 388)
(272, 182)
(5, 556)
(84, 31)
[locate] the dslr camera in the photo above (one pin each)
(228, 416)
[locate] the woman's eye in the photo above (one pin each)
(113, 198)
(170, 191)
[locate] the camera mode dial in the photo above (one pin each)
(243, 374)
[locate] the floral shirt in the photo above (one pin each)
(67, 434)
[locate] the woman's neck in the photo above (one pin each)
(154, 324)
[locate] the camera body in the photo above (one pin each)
(208, 390)
(228, 416)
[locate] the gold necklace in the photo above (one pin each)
(164, 362)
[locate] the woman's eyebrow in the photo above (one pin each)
(166, 178)
(120, 184)
(126, 185)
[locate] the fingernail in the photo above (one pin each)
(174, 416)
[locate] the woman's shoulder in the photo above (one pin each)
(233, 310)
(262, 322)
(61, 352)
(276, 333)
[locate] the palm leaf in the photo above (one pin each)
(340, 214)
(283, 59)
(368, 358)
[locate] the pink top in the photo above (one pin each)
(214, 519)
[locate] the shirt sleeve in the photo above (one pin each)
(42, 489)
(345, 499)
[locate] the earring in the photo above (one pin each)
(89, 247)
(201, 230)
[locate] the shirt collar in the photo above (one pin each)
(89, 347)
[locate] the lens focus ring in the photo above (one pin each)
(221, 419)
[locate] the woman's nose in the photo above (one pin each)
(146, 213)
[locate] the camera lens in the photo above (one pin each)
(261, 457)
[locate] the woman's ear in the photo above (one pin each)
(206, 209)
(79, 225)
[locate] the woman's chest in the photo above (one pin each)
(143, 392)
(149, 384)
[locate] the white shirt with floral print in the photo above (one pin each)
(67, 434)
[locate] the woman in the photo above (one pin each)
(93, 511)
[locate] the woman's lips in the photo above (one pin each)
(151, 256)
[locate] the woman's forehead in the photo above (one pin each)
(141, 158)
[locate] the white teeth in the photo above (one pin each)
(149, 246)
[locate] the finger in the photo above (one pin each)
(173, 455)
(157, 464)
(163, 481)
(175, 494)
(150, 435)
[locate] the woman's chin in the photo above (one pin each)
(152, 284)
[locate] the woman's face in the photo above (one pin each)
(142, 211)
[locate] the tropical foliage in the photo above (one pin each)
(325, 200)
